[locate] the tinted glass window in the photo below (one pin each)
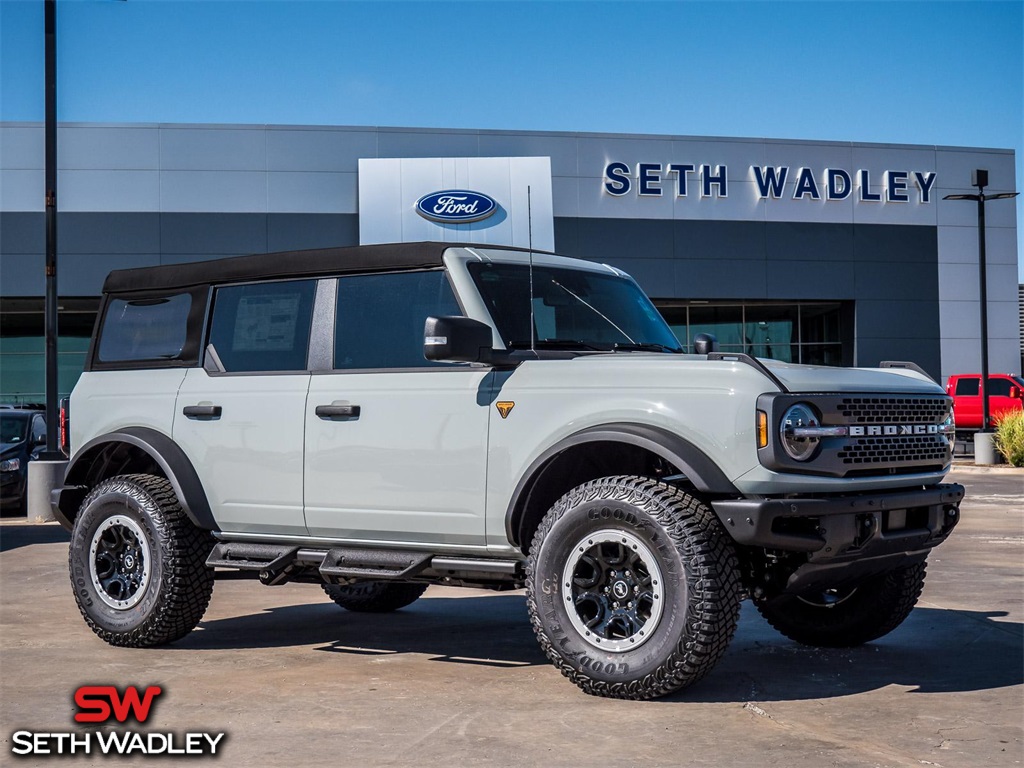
(967, 387)
(571, 308)
(145, 329)
(380, 318)
(13, 428)
(264, 326)
(999, 387)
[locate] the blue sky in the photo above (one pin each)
(948, 73)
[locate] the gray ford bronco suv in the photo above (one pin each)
(381, 418)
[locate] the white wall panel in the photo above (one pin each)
(959, 245)
(384, 195)
(737, 156)
(22, 147)
(23, 190)
(318, 150)
(204, 191)
(108, 191)
(955, 166)
(565, 195)
(83, 148)
(964, 213)
(304, 192)
(390, 216)
(213, 149)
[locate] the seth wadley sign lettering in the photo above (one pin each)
(682, 179)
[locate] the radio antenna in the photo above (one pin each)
(529, 224)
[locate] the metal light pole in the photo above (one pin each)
(50, 316)
(979, 179)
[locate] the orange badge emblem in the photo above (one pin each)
(505, 407)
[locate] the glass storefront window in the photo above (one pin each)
(796, 332)
(23, 348)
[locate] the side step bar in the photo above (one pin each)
(277, 564)
(372, 564)
(245, 556)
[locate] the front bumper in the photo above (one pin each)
(12, 487)
(845, 526)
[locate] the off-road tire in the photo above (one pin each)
(874, 609)
(375, 596)
(177, 590)
(700, 590)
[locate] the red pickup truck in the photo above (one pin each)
(1004, 396)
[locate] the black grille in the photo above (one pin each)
(879, 451)
(893, 410)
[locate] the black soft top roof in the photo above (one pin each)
(321, 261)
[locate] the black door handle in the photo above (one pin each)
(202, 412)
(329, 412)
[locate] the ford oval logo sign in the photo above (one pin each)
(456, 206)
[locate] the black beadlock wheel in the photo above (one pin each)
(632, 588)
(847, 616)
(375, 596)
(138, 564)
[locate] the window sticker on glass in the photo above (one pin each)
(266, 323)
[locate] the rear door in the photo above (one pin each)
(396, 446)
(240, 418)
(999, 400)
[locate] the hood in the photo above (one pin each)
(822, 378)
(7, 450)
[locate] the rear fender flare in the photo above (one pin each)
(167, 454)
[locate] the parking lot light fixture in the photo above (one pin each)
(979, 179)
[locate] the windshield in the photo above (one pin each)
(13, 427)
(572, 308)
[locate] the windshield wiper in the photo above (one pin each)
(650, 346)
(557, 344)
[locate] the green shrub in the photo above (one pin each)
(1009, 438)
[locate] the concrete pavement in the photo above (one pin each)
(457, 678)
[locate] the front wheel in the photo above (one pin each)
(138, 564)
(847, 616)
(632, 588)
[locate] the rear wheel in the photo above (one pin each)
(375, 596)
(138, 564)
(847, 616)
(632, 588)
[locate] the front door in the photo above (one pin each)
(396, 446)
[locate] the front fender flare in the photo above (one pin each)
(691, 461)
(168, 455)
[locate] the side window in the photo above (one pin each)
(38, 428)
(380, 318)
(999, 387)
(967, 387)
(263, 326)
(144, 329)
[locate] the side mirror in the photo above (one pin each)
(457, 339)
(1015, 393)
(704, 343)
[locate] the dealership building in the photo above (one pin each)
(816, 252)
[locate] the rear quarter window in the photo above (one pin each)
(151, 329)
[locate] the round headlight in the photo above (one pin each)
(949, 427)
(800, 448)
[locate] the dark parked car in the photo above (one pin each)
(22, 436)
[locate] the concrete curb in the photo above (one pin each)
(1000, 468)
